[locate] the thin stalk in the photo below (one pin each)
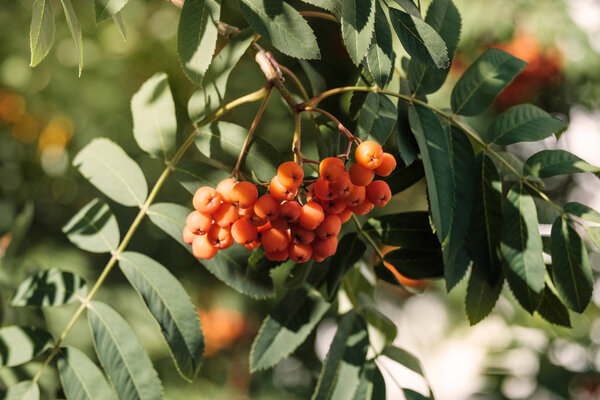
(296, 80)
(367, 237)
(317, 14)
(336, 121)
(297, 142)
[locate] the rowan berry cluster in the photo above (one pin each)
(297, 219)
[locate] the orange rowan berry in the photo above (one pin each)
(300, 253)
(360, 175)
(281, 223)
(245, 194)
(341, 185)
(356, 196)
(311, 215)
(290, 210)
(345, 215)
(369, 154)
(198, 223)
(267, 207)
(363, 208)
(322, 189)
(202, 248)
(290, 174)
(280, 192)
(325, 247)
(331, 168)
(277, 255)
(334, 206)
(252, 245)
(243, 232)
(379, 193)
(317, 258)
(275, 240)
(300, 235)
(225, 188)
(387, 166)
(188, 236)
(225, 215)
(219, 237)
(207, 200)
(310, 192)
(330, 227)
(264, 228)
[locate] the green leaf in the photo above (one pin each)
(197, 36)
(283, 26)
(582, 211)
(51, 287)
(330, 5)
(377, 118)
(382, 331)
(476, 90)
(75, 29)
(404, 358)
(120, 24)
(316, 81)
(594, 234)
(18, 231)
(80, 377)
(371, 385)
(444, 18)
(410, 7)
(107, 8)
(571, 271)
(548, 163)
(41, 31)
(21, 344)
(287, 326)
(407, 145)
(419, 39)
(223, 141)
(205, 101)
(192, 174)
(125, 360)
(486, 220)
(171, 307)
(435, 150)
(358, 24)
(110, 169)
(26, 390)
(481, 294)
(94, 228)
(521, 248)
(417, 264)
(154, 121)
(350, 250)
(380, 55)
(523, 123)
(340, 374)
(553, 310)
(410, 230)
(410, 394)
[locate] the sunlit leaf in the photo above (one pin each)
(80, 377)
(41, 31)
(330, 5)
(21, 344)
(94, 228)
(582, 211)
(547, 163)
(107, 8)
(410, 7)
(594, 234)
(371, 385)
(51, 287)
(380, 56)
(26, 390)
(192, 174)
(75, 29)
(120, 24)
(358, 24)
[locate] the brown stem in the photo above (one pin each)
(287, 71)
(296, 144)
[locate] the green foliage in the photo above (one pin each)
(482, 294)
(21, 344)
(51, 287)
(80, 377)
(377, 118)
(26, 390)
(410, 230)
(94, 228)
(380, 55)
(417, 264)
(358, 24)
(75, 29)
(107, 8)
(549, 163)
(41, 33)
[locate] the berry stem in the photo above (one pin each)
(336, 121)
(296, 80)
(296, 144)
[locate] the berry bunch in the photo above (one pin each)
(297, 219)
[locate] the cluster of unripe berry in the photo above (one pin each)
(297, 219)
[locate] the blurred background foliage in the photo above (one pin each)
(47, 114)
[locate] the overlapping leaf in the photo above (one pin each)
(107, 8)
(380, 56)
(482, 294)
(552, 309)
(358, 24)
(51, 287)
(192, 174)
(26, 390)
(350, 250)
(94, 228)
(377, 118)
(81, 379)
(547, 163)
(582, 211)
(21, 344)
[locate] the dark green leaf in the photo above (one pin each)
(410, 7)
(107, 8)
(110, 169)
(287, 326)
(75, 29)
(283, 26)
(553, 310)
(41, 31)
(192, 174)
(380, 56)
(523, 123)
(51, 287)
(521, 248)
(483, 81)
(154, 120)
(358, 24)
(417, 264)
(377, 118)
(331, 5)
(27, 390)
(571, 271)
(404, 358)
(410, 230)
(350, 250)
(371, 385)
(582, 211)
(403, 178)
(407, 145)
(548, 163)
(94, 228)
(20, 344)
(317, 82)
(481, 294)
(197, 36)
(410, 394)
(125, 360)
(419, 39)
(80, 377)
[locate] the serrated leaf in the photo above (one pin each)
(547, 163)
(125, 360)
(350, 250)
(380, 55)
(371, 385)
(553, 310)
(283, 26)
(410, 7)
(521, 247)
(171, 307)
(419, 39)
(417, 264)
(410, 230)
(94, 228)
(340, 374)
(26, 390)
(582, 211)
(330, 5)
(523, 123)
(377, 118)
(51, 287)
(81, 379)
(223, 141)
(107, 8)
(75, 29)
(41, 31)
(477, 88)
(435, 151)
(20, 344)
(287, 326)
(571, 271)
(154, 120)
(197, 36)
(481, 295)
(192, 174)
(444, 18)
(358, 24)
(110, 169)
